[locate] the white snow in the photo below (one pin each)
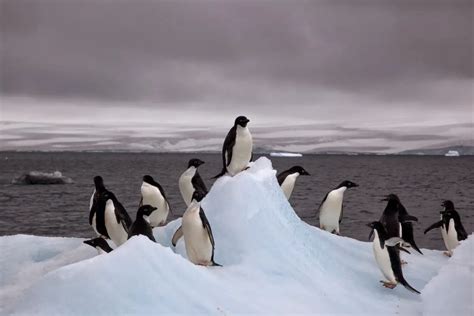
(273, 263)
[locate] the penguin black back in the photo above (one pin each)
(295, 169)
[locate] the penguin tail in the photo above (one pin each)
(408, 286)
(220, 173)
(216, 264)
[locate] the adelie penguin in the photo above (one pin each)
(141, 226)
(387, 257)
(394, 214)
(287, 179)
(331, 208)
(237, 148)
(191, 181)
(99, 188)
(108, 217)
(451, 227)
(197, 233)
(154, 195)
(100, 244)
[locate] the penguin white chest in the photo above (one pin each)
(242, 151)
(289, 184)
(115, 229)
(186, 186)
(196, 239)
(383, 259)
(151, 195)
(451, 237)
(330, 210)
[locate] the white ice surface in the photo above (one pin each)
(273, 263)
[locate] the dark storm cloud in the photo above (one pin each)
(238, 51)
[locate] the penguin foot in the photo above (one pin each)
(447, 254)
(388, 285)
(404, 262)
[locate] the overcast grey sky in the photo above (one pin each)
(353, 63)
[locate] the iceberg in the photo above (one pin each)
(38, 177)
(452, 153)
(273, 263)
(276, 154)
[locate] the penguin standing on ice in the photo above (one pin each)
(394, 214)
(197, 233)
(452, 229)
(154, 195)
(141, 226)
(388, 258)
(331, 208)
(112, 220)
(191, 181)
(237, 148)
(287, 179)
(99, 189)
(406, 228)
(100, 244)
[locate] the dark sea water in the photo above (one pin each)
(421, 182)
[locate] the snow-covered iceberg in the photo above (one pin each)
(273, 263)
(38, 177)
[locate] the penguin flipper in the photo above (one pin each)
(402, 249)
(198, 183)
(206, 226)
(342, 212)
(322, 202)
(397, 268)
(391, 242)
(433, 226)
(121, 215)
(408, 218)
(177, 235)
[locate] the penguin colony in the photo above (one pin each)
(392, 233)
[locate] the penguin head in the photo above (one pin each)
(99, 184)
(98, 243)
(195, 162)
(391, 197)
(145, 210)
(448, 205)
(300, 170)
(242, 121)
(148, 179)
(198, 195)
(348, 184)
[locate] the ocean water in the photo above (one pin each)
(422, 183)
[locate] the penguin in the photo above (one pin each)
(388, 258)
(237, 148)
(331, 208)
(154, 195)
(191, 181)
(452, 229)
(393, 215)
(287, 179)
(99, 189)
(100, 244)
(197, 233)
(141, 226)
(406, 228)
(112, 220)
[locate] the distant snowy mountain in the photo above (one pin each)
(175, 137)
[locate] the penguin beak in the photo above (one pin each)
(305, 173)
(247, 120)
(201, 162)
(369, 225)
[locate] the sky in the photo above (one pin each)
(372, 65)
